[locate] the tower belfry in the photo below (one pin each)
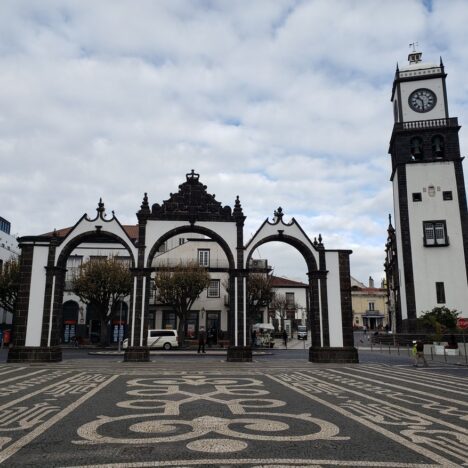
(427, 253)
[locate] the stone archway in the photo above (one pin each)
(329, 288)
(38, 321)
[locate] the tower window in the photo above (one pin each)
(435, 234)
(417, 196)
(438, 146)
(440, 293)
(416, 144)
(447, 195)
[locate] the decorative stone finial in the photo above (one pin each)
(278, 213)
(237, 212)
(100, 209)
(192, 176)
(144, 204)
(320, 239)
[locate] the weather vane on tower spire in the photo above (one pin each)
(414, 56)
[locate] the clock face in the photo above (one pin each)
(422, 100)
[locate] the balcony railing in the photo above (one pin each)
(423, 124)
(168, 263)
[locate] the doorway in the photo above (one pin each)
(213, 326)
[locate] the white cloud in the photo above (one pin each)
(284, 103)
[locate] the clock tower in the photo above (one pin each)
(429, 249)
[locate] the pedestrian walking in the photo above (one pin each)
(254, 337)
(201, 340)
(418, 353)
(285, 339)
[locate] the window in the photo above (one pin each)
(181, 241)
(290, 300)
(447, 195)
(126, 261)
(169, 320)
(440, 293)
(417, 196)
(1, 265)
(204, 257)
(435, 234)
(371, 306)
(213, 288)
(73, 269)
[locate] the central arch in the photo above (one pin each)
(191, 229)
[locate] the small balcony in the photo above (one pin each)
(426, 124)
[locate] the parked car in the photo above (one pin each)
(165, 339)
(301, 332)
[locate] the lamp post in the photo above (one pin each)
(119, 338)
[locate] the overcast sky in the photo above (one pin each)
(284, 103)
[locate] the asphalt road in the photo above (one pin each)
(279, 410)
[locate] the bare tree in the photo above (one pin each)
(179, 286)
(9, 284)
(259, 292)
(281, 305)
(101, 282)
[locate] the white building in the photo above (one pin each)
(427, 250)
(8, 250)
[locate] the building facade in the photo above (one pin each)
(370, 309)
(8, 250)
(427, 248)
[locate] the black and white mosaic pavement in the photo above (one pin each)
(290, 414)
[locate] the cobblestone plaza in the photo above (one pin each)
(207, 412)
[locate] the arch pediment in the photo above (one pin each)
(191, 203)
(291, 233)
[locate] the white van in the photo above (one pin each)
(301, 332)
(165, 339)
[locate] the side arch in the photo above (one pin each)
(192, 229)
(91, 236)
(303, 249)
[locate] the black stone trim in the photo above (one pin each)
(48, 299)
(406, 249)
(34, 354)
(334, 355)
(461, 192)
(346, 301)
(444, 87)
(400, 107)
(239, 354)
(137, 354)
(315, 330)
(20, 317)
(324, 299)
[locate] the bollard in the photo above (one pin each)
(398, 348)
(464, 345)
(389, 352)
(432, 353)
